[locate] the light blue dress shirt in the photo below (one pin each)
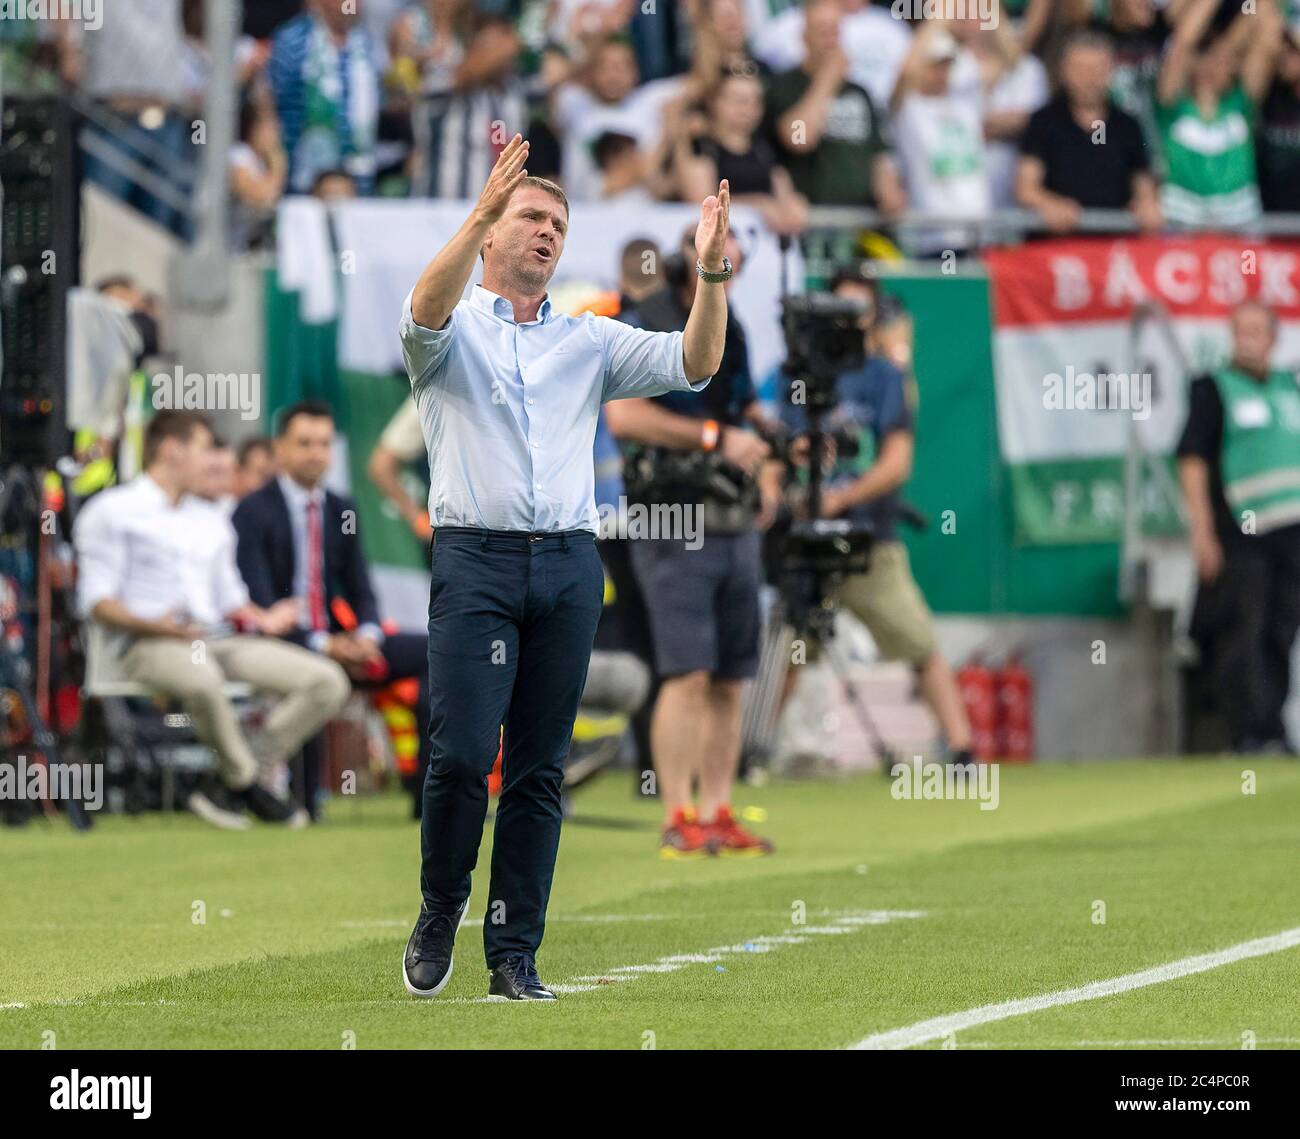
(509, 410)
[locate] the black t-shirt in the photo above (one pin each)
(1277, 146)
(263, 17)
(1202, 438)
(749, 172)
(1097, 177)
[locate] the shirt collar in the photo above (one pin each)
(297, 495)
(489, 301)
(150, 488)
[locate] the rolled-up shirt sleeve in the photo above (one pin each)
(642, 363)
(425, 349)
(101, 558)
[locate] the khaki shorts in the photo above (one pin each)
(888, 602)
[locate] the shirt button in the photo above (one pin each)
(531, 402)
(538, 485)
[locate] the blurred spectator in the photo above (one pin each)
(1278, 144)
(1139, 30)
(250, 55)
(323, 73)
(299, 540)
(627, 174)
(133, 68)
(874, 42)
(606, 97)
(1211, 85)
(157, 570)
(876, 401)
(578, 24)
(1081, 151)
(219, 483)
(828, 127)
(1019, 87)
(256, 464)
(731, 148)
(940, 136)
(1238, 462)
(720, 35)
(639, 272)
(258, 168)
(702, 600)
(472, 101)
(427, 43)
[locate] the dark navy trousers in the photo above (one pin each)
(512, 617)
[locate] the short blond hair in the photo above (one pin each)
(547, 187)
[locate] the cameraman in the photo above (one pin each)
(701, 598)
(873, 402)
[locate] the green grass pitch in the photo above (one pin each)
(303, 932)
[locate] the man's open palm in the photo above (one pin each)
(504, 179)
(711, 233)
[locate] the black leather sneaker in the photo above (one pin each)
(426, 964)
(265, 806)
(516, 979)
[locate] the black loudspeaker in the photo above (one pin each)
(39, 263)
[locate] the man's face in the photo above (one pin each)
(258, 467)
(738, 103)
(614, 74)
(1216, 66)
(821, 30)
(525, 245)
(860, 293)
(1253, 337)
(219, 476)
(1085, 74)
(729, 23)
(190, 458)
(305, 448)
(935, 77)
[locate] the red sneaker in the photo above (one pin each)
(683, 837)
(734, 839)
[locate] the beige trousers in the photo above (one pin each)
(312, 689)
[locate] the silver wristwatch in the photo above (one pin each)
(714, 278)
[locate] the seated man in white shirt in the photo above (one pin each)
(157, 569)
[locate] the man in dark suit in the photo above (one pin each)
(298, 540)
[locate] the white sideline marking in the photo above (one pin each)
(846, 923)
(939, 1026)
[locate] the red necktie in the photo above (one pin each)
(315, 558)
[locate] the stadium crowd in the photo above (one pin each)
(1183, 112)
